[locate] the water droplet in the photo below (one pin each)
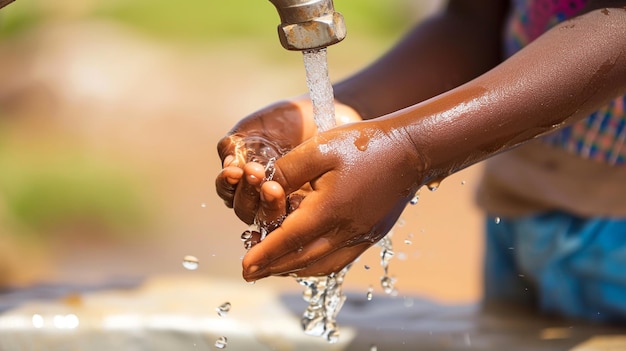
(387, 284)
(221, 342)
(203, 205)
(246, 235)
(402, 256)
(497, 220)
(415, 199)
(433, 186)
(333, 336)
(408, 242)
(190, 262)
(462, 182)
(366, 267)
(370, 293)
(223, 309)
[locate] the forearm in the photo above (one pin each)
(437, 55)
(563, 76)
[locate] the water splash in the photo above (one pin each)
(386, 254)
(325, 298)
(245, 236)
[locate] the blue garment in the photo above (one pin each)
(570, 266)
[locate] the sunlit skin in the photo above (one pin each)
(439, 101)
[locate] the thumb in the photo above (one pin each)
(303, 164)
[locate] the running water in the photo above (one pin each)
(320, 89)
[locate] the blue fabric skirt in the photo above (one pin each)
(570, 266)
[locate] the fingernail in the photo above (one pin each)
(232, 181)
(253, 269)
(254, 273)
(267, 197)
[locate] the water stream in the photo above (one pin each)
(320, 88)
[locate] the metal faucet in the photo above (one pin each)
(309, 24)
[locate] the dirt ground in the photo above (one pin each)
(159, 111)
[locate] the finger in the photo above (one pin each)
(246, 200)
(226, 184)
(333, 262)
(229, 150)
(273, 206)
(301, 165)
(301, 230)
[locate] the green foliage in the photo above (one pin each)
(210, 21)
(19, 16)
(43, 194)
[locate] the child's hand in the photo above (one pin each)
(270, 132)
(267, 133)
(362, 176)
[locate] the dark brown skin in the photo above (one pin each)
(454, 105)
(4, 3)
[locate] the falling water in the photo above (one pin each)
(320, 89)
(323, 294)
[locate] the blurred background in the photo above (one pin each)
(110, 112)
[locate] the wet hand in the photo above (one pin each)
(267, 133)
(361, 175)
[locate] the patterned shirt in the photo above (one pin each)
(602, 135)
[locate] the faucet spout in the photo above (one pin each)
(309, 24)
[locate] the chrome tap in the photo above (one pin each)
(309, 24)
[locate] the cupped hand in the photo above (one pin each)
(362, 175)
(266, 134)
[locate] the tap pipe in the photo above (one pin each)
(309, 24)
